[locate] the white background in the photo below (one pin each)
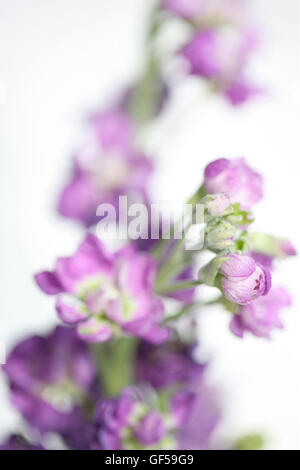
(58, 58)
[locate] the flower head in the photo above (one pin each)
(18, 442)
(243, 280)
(262, 315)
(106, 294)
(236, 179)
(131, 422)
(51, 378)
(168, 365)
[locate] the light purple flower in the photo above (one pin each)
(106, 168)
(287, 248)
(243, 280)
(51, 378)
(170, 364)
(105, 294)
(151, 428)
(262, 315)
(236, 179)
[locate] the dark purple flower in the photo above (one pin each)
(105, 169)
(262, 315)
(51, 378)
(106, 294)
(18, 442)
(167, 365)
(236, 179)
(243, 280)
(197, 431)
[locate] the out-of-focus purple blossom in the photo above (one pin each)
(131, 422)
(243, 280)
(241, 90)
(106, 294)
(167, 365)
(262, 315)
(105, 169)
(236, 179)
(18, 442)
(216, 204)
(51, 378)
(265, 260)
(206, 12)
(287, 248)
(160, 94)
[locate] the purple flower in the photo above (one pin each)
(235, 178)
(262, 315)
(265, 260)
(243, 280)
(207, 11)
(151, 428)
(114, 129)
(18, 442)
(106, 294)
(51, 378)
(105, 169)
(167, 365)
(220, 55)
(287, 248)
